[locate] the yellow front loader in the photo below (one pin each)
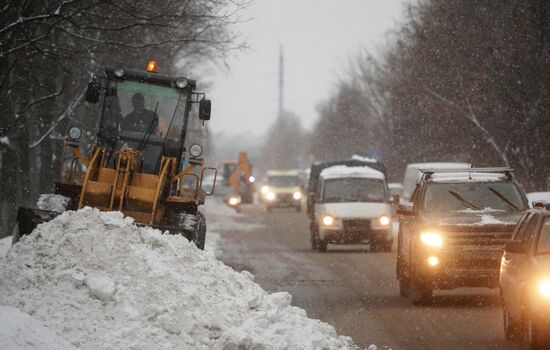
(140, 164)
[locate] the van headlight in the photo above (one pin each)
(329, 221)
(384, 220)
(297, 195)
(432, 239)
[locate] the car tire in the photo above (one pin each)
(535, 337)
(298, 208)
(386, 246)
(420, 292)
(403, 287)
(322, 246)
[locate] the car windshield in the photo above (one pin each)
(543, 246)
(468, 196)
(143, 116)
(283, 181)
(354, 190)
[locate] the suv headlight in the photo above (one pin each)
(433, 239)
(270, 196)
(297, 195)
(381, 222)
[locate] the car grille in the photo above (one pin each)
(475, 251)
(356, 224)
(284, 197)
(459, 239)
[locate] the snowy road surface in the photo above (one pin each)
(353, 289)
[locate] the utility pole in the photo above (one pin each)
(281, 81)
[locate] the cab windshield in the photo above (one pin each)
(145, 117)
(467, 197)
(283, 181)
(354, 190)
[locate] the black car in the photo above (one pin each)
(525, 280)
(453, 233)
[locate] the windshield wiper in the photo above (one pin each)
(149, 129)
(463, 201)
(504, 199)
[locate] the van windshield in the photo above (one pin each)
(467, 196)
(354, 190)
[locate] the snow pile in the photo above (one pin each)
(101, 282)
(19, 331)
(338, 171)
(53, 202)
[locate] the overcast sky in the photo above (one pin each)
(318, 37)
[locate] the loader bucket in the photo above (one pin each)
(29, 218)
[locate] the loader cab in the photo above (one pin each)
(146, 112)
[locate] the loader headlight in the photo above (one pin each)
(233, 201)
(544, 288)
(195, 150)
(297, 195)
(119, 72)
(181, 83)
(270, 196)
(75, 133)
(433, 239)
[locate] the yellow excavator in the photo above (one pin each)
(140, 164)
(238, 177)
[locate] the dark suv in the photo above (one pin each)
(453, 232)
(525, 279)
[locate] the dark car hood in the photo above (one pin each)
(472, 221)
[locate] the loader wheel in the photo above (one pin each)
(192, 227)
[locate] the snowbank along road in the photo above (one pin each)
(95, 280)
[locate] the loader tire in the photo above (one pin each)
(192, 227)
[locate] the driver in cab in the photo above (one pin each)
(141, 119)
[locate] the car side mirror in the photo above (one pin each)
(92, 92)
(205, 107)
(406, 209)
(516, 247)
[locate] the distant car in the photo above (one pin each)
(538, 197)
(453, 233)
(282, 189)
(353, 207)
(412, 174)
(525, 280)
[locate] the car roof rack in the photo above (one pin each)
(509, 172)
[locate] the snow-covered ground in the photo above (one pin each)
(97, 281)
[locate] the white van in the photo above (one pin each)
(353, 207)
(412, 174)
